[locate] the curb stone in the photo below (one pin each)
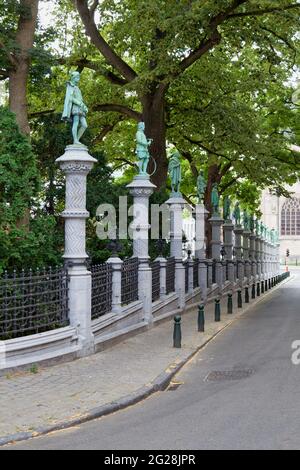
(158, 385)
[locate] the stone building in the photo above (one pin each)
(283, 215)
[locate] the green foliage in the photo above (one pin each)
(18, 171)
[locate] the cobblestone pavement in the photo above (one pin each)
(52, 395)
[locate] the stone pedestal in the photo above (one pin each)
(203, 275)
(216, 224)
(238, 232)
(228, 228)
(246, 252)
(141, 189)
(176, 204)
(116, 264)
(163, 276)
(200, 245)
(76, 163)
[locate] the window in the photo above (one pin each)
(290, 217)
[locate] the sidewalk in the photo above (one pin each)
(46, 399)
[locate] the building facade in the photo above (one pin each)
(283, 215)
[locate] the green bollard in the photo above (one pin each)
(246, 295)
(217, 310)
(270, 286)
(258, 289)
(253, 291)
(229, 304)
(263, 287)
(201, 318)
(177, 332)
(239, 299)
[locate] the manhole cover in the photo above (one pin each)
(219, 375)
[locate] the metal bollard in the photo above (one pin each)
(258, 289)
(262, 287)
(201, 318)
(229, 303)
(239, 299)
(266, 285)
(217, 310)
(246, 295)
(177, 332)
(253, 291)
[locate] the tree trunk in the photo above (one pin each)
(155, 123)
(18, 75)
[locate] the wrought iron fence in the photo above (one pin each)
(101, 289)
(196, 273)
(33, 302)
(155, 280)
(170, 282)
(130, 281)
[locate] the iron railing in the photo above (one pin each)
(101, 289)
(155, 280)
(33, 302)
(130, 281)
(170, 282)
(196, 273)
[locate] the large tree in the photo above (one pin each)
(17, 32)
(146, 46)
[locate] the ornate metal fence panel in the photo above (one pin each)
(101, 289)
(186, 267)
(33, 302)
(155, 280)
(196, 273)
(170, 275)
(130, 281)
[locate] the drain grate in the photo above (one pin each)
(221, 375)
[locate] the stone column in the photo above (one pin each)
(163, 276)
(228, 228)
(203, 274)
(257, 256)
(200, 245)
(253, 256)
(141, 189)
(116, 264)
(76, 163)
(246, 237)
(176, 204)
(238, 232)
(216, 224)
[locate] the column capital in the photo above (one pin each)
(141, 186)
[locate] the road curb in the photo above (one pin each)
(159, 384)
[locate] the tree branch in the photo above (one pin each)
(12, 59)
(89, 64)
(99, 42)
(106, 129)
(119, 108)
(214, 39)
(263, 11)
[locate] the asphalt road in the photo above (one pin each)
(259, 411)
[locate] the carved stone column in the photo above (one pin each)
(238, 232)
(76, 163)
(246, 237)
(141, 189)
(176, 204)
